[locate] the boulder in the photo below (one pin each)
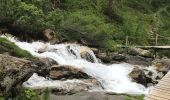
(93, 96)
(14, 71)
(138, 60)
(58, 72)
(104, 57)
(87, 54)
(111, 57)
(140, 52)
(40, 46)
(118, 57)
(162, 65)
(138, 75)
(48, 61)
(51, 36)
(95, 50)
(79, 85)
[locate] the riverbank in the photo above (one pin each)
(72, 67)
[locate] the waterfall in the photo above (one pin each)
(113, 78)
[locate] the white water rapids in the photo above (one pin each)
(113, 78)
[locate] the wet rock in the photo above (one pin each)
(51, 36)
(138, 60)
(91, 96)
(14, 71)
(58, 72)
(76, 87)
(118, 57)
(87, 54)
(138, 75)
(40, 46)
(104, 57)
(48, 61)
(140, 52)
(162, 65)
(111, 57)
(153, 75)
(95, 50)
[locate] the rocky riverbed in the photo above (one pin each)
(68, 69)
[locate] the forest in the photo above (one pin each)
(104, 23)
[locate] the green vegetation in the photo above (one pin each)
(140, 97)
(12, 49)
(29, 94)
(1, 98)
(101, 22)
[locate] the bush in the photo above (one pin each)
(90, 27)
(93, 20)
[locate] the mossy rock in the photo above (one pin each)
(12, 49)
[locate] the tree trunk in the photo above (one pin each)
(110, 3)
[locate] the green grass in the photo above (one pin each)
(140, 97)
(12, 49)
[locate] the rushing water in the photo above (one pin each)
(113, 78)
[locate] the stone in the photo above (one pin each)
(87, 56)
(48, 61)
(86, 53)
(138, 75)
(140, 52)
(104, 57)
(92, 96)
(51, 36)
(40, 46)
(118, 57)
(14, 71)
(162, 65)
(138, 60)
(58, 72)
(76, 87)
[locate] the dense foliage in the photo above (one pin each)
(103, 22)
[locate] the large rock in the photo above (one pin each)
(40, 46)
(162, 65)
(92, 96)
(138, 75)
(138, 60)
(51, 36)
(84, 51)
(118, 57)
(58, 72)
(87, 53)
(140, 52)
(104, 57)
(146, 76)
(14, 71)
(77, 86)
(111, 57)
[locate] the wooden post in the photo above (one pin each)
(156, 40)
(127, 40)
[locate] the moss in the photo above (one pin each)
(139, 97)
(12, 49)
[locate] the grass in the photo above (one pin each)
(140, 97)
(12, 49)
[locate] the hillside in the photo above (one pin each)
(101, 22)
